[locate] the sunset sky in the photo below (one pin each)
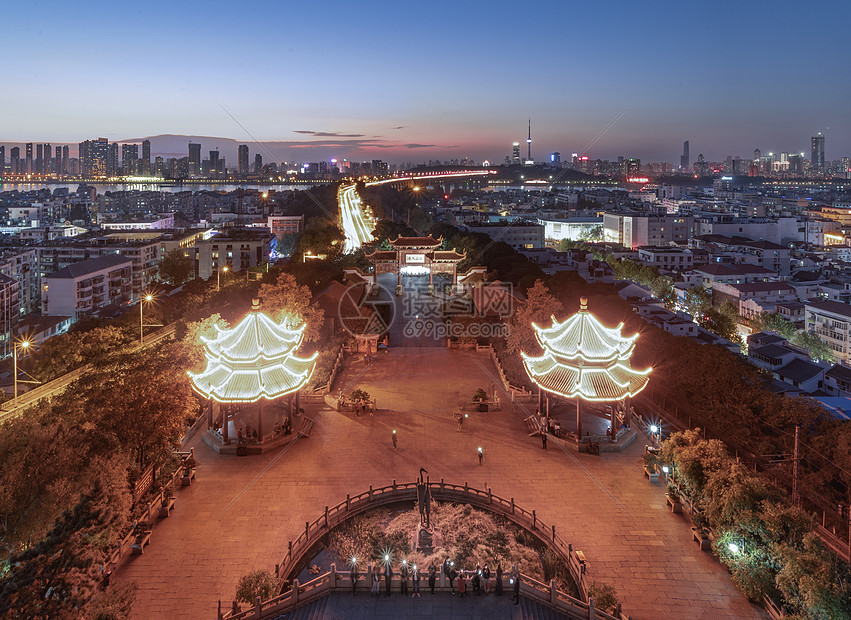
(407, 81)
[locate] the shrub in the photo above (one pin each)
(258, 583)
(604, 595)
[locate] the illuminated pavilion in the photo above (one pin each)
(252, 364)
(587, 361)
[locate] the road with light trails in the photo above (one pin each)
(357, 225)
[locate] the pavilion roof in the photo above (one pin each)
(449, 255)
(254, 360)
(429, 242)
(583, 358)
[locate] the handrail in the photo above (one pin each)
(119, 553)
(315, 531)
(323, 585)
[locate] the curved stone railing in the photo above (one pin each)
(315, 532)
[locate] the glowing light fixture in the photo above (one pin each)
(254, 360)
(584, 359)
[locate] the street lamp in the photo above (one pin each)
(147, 298)
(23, 345)
(219, 276)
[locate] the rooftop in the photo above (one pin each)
(93, 265)
(799, 370)
(834, 307)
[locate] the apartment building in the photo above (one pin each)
(86, 286)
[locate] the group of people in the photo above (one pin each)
(284, 428)
(480, 581)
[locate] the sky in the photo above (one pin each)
(407, 81)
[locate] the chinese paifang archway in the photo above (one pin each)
(249, 365)
(585, 360)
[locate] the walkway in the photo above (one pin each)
(241, 512)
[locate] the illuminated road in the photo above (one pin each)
(357, 225)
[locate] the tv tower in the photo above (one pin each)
(529, 143)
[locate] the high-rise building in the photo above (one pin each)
(130, 159)
(2, 159)
(194, 159)
(112, 165)
(529, 159)
(258, 163)
(45, 162)
(817, 149)
(632, 167)
(65, 154)
(555, 159)
(242, 159)
(39, 159)
(94, 157)
(684, 158)
(57, 161)
(515, 153)
(214, 163)
(29, 162)
(145, 164)
(15, 160)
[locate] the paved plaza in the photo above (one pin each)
(241, 511)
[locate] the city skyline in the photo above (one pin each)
(396, 84)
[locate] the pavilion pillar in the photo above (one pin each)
(627, 408)
(614, 422)
(548, 408)
(224, 412)
(579, 417)
(298, 401)
(260, 421)
(210, 413)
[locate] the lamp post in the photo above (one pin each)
(147, 298)
(24, 345)
(219, 277)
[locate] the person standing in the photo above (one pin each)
(452, 575)
(394, 439)
(354, 575)
(515, 581)
(376, 581)
(403, 577)
(481, 455)
(462, 584)
(476, 580)
(486, 575)
(543, 439)
(432, 577)
(499, 579)
(415, 579)
(388, 577)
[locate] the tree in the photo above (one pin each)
(143, 401)
(816, 347)
(192, 349)
(258, 583)
(57, 577)
(287, 300)
(175, 268)
(540, 305)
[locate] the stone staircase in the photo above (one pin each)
(341, 606)
(530, 610)
(309, 611)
